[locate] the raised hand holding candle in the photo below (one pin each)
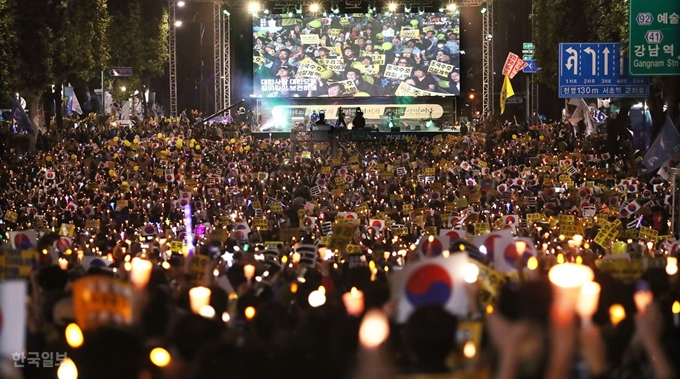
(567, 280)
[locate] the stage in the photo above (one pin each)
(428, 133)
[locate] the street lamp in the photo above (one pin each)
(180, 4)
(178, 23)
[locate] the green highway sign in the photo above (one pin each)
(528, 57)
(527, 47)
(654, 29)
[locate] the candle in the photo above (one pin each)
(587, 302)
(249, 272)
(374, 329)
(198, 297)
(676, 313)
(578, 239)
(470, 273)
(671, 266)
(567, 280)
(140, 272)
(650, 247)
(63, 263)
(296, 258)
(642, 300)
(354, 302)
(616, 314)
(317, 298)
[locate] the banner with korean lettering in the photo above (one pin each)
(513, 65)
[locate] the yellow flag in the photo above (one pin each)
(506, 92)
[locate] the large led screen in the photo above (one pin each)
(358, 55)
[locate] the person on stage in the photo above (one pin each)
(341, 118)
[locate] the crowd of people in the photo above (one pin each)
(362, 55)
(285, 237)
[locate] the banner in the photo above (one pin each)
(513, 65)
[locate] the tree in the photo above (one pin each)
(56, 38)
(138, 39)
(557, 21)
(8, 40)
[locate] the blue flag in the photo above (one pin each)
(21, 118)
(664, 148)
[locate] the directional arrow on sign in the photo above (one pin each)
(605, 52)
(572, 61)
(593, 56)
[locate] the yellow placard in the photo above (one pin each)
(353, 249)
(176, 246)
(622, 269)
(198, 264)
(11, 216)
(261, 223)
(102, 301)
(400, 231)
(482, 228)
(15, 264)
(67, 230)
(342, 233)
(92, 224)
(566, 219)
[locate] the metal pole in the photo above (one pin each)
(527, 110)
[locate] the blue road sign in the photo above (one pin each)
(597, 70)
(532, 68)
